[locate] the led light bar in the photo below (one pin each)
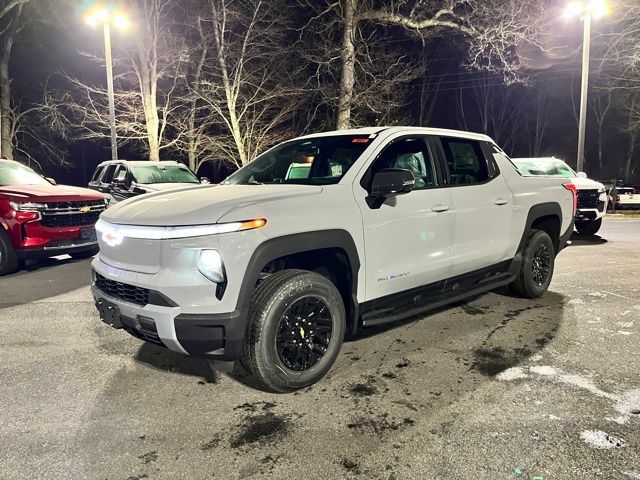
(111, 230)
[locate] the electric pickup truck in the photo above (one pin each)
(277, 264)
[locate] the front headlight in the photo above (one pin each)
(602, 195)
(167, 233)
(210, 265)
(27, 206)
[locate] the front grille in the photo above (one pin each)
(122, 291)
(587, 199)
(72, 214)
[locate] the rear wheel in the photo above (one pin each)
(296, 328)
(86, 253)
(589, 228)
(8, 259)
(536, 271)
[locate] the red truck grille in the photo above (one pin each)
(72, 214)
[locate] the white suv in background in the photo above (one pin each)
(592, 195)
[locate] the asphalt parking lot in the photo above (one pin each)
(498, 388)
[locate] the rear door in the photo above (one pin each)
(482, 203)
(407, 239)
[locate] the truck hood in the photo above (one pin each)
(198, 205)
(586, 184)
(48, 193)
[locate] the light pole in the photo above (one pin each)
(587, 10)
(108, 16)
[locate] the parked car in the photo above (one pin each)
(592, 195)
(625, 198)
(273, 268)
(122, 179)
(41, 219)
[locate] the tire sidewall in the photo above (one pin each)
(536, 239)
(286, 296)
(8, 259)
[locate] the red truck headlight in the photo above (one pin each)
(27, 211)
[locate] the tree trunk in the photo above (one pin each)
(6, 115)
(348, 64)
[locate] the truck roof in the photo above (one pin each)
(408, 130)
(141, 162)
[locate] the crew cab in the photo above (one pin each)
(275, 265)
(40, 219)
(122, 179)
(592, 195)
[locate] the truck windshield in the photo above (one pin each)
(14, 173)
(146, 174)
(555, 168)
(311, 161)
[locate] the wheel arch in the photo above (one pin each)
(547, 217)
(311, 247)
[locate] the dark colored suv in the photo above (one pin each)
(122, 179)
(41, 219)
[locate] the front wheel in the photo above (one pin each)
(8, 259)
(296, 328)
(536, 271)
(589, 228)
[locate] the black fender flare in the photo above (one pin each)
(538, 211)
(277, 247)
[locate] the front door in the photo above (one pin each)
(407, 239)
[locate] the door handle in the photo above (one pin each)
(440, 208)
(500, 201)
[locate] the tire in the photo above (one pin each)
(270, 344)
(532, 281)
(8, 258)
(85, 253)
(589, 228)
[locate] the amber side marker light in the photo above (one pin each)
(251, 224)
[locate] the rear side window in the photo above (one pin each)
(108, 176)
(97, 174)
(465, 161)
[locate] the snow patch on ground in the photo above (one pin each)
(625, 324)
(601, 440)
(628, 404)
(625, 333)
(513, 373)
(545, 370)
(536, 358)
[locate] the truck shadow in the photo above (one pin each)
(510, 330)
(580, 239)
(59, 275)
(166, 360)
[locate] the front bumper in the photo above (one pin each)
(215, 336)
(57, 248)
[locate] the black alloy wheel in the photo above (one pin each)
(541, 264)
(304, 333)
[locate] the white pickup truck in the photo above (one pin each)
(274, 266)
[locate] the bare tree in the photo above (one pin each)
(494, 30)
(12, 22)
(246, 95)
(148, 76)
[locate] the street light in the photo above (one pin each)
(587, 10)
(107, 16)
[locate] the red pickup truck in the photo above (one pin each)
(40, 219)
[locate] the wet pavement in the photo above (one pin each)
(498, 387)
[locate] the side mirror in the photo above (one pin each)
(205, 180)
(582, 175)
(119, 183)
(50, 180)
(389, 182)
